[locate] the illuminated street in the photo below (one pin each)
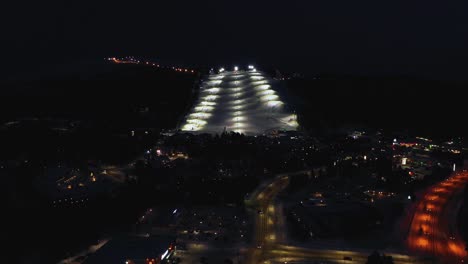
(334, 256)
(433, 229)
(270, 249)
(239, 101)
(266, 233)
(196, 251)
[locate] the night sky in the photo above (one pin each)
(422, 38)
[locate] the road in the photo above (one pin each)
(433, 230)
(270, 245)
(289, 253)
(213, 254)
(81, 256)
(263, 201)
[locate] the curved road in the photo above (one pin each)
(269, 245)
(433, 229)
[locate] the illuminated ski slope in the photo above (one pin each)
(239, 101)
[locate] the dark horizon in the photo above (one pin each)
(422, 40)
